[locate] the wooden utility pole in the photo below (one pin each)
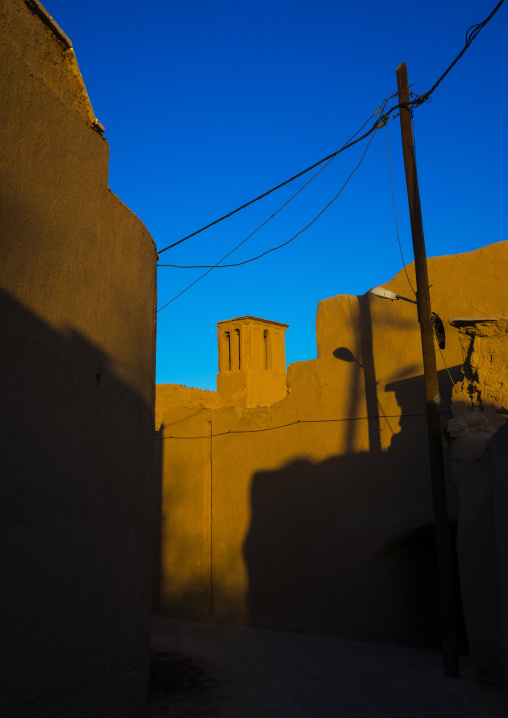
(432, 398)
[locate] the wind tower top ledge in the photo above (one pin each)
(253, 319)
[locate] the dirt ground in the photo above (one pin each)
(208, 670)
(178, 688)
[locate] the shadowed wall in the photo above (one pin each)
(315, 513)
(478, 436)
(77, 360)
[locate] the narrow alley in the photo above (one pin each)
(228, 671)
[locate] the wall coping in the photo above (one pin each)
(254, 319)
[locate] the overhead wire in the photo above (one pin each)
(471, 34)
(273, 249)
(395, 211)
(442, 355)
(293, 423)
(434, 330)
(349, 143)
(218, 264)
(213, 266)
(209, 266)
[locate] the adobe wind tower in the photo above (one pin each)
(252, 361)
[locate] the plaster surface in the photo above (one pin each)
(314, 513)
(77, 360)
(478, 434)
(252, 361)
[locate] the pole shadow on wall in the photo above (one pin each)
(347, 545)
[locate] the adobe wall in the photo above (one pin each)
(315, 513)
(478, 434)
(77, 360)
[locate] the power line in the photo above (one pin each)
(213, 266)
(434, 330)
(210, 268)
(265, 194)
(471, 34)
(442, 355)
(273, 249)
(395, 211)
(293, 423)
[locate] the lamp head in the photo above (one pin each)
(384, 293)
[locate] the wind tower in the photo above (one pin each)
(252, 361)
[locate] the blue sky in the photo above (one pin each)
(209, 104)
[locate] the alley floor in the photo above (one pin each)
(227, 671)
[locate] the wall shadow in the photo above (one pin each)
(347, 545)
(76, 517)
(158, 517)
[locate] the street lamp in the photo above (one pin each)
(388, 294)
(448, 618)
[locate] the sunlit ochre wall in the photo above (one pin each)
(324, 523)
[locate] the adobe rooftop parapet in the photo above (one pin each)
(36, 7)
(255, 319)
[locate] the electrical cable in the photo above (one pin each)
(218, 265)
(349, 143)
(471, 34)
(395, 212)
(273, 249)
(293, 423)
(434, 331)
(209, 266)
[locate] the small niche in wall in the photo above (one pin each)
(265, 348)
(227, 350)
(439, 330)
(237, 351)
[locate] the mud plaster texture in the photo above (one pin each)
(314, 513)
(77, 360)
(479, 443)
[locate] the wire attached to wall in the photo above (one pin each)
(332, 156)
(208, 266)
(436, 338)
(214, 266)
(293, 423)
(273, 249)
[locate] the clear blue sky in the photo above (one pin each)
(208, 104)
